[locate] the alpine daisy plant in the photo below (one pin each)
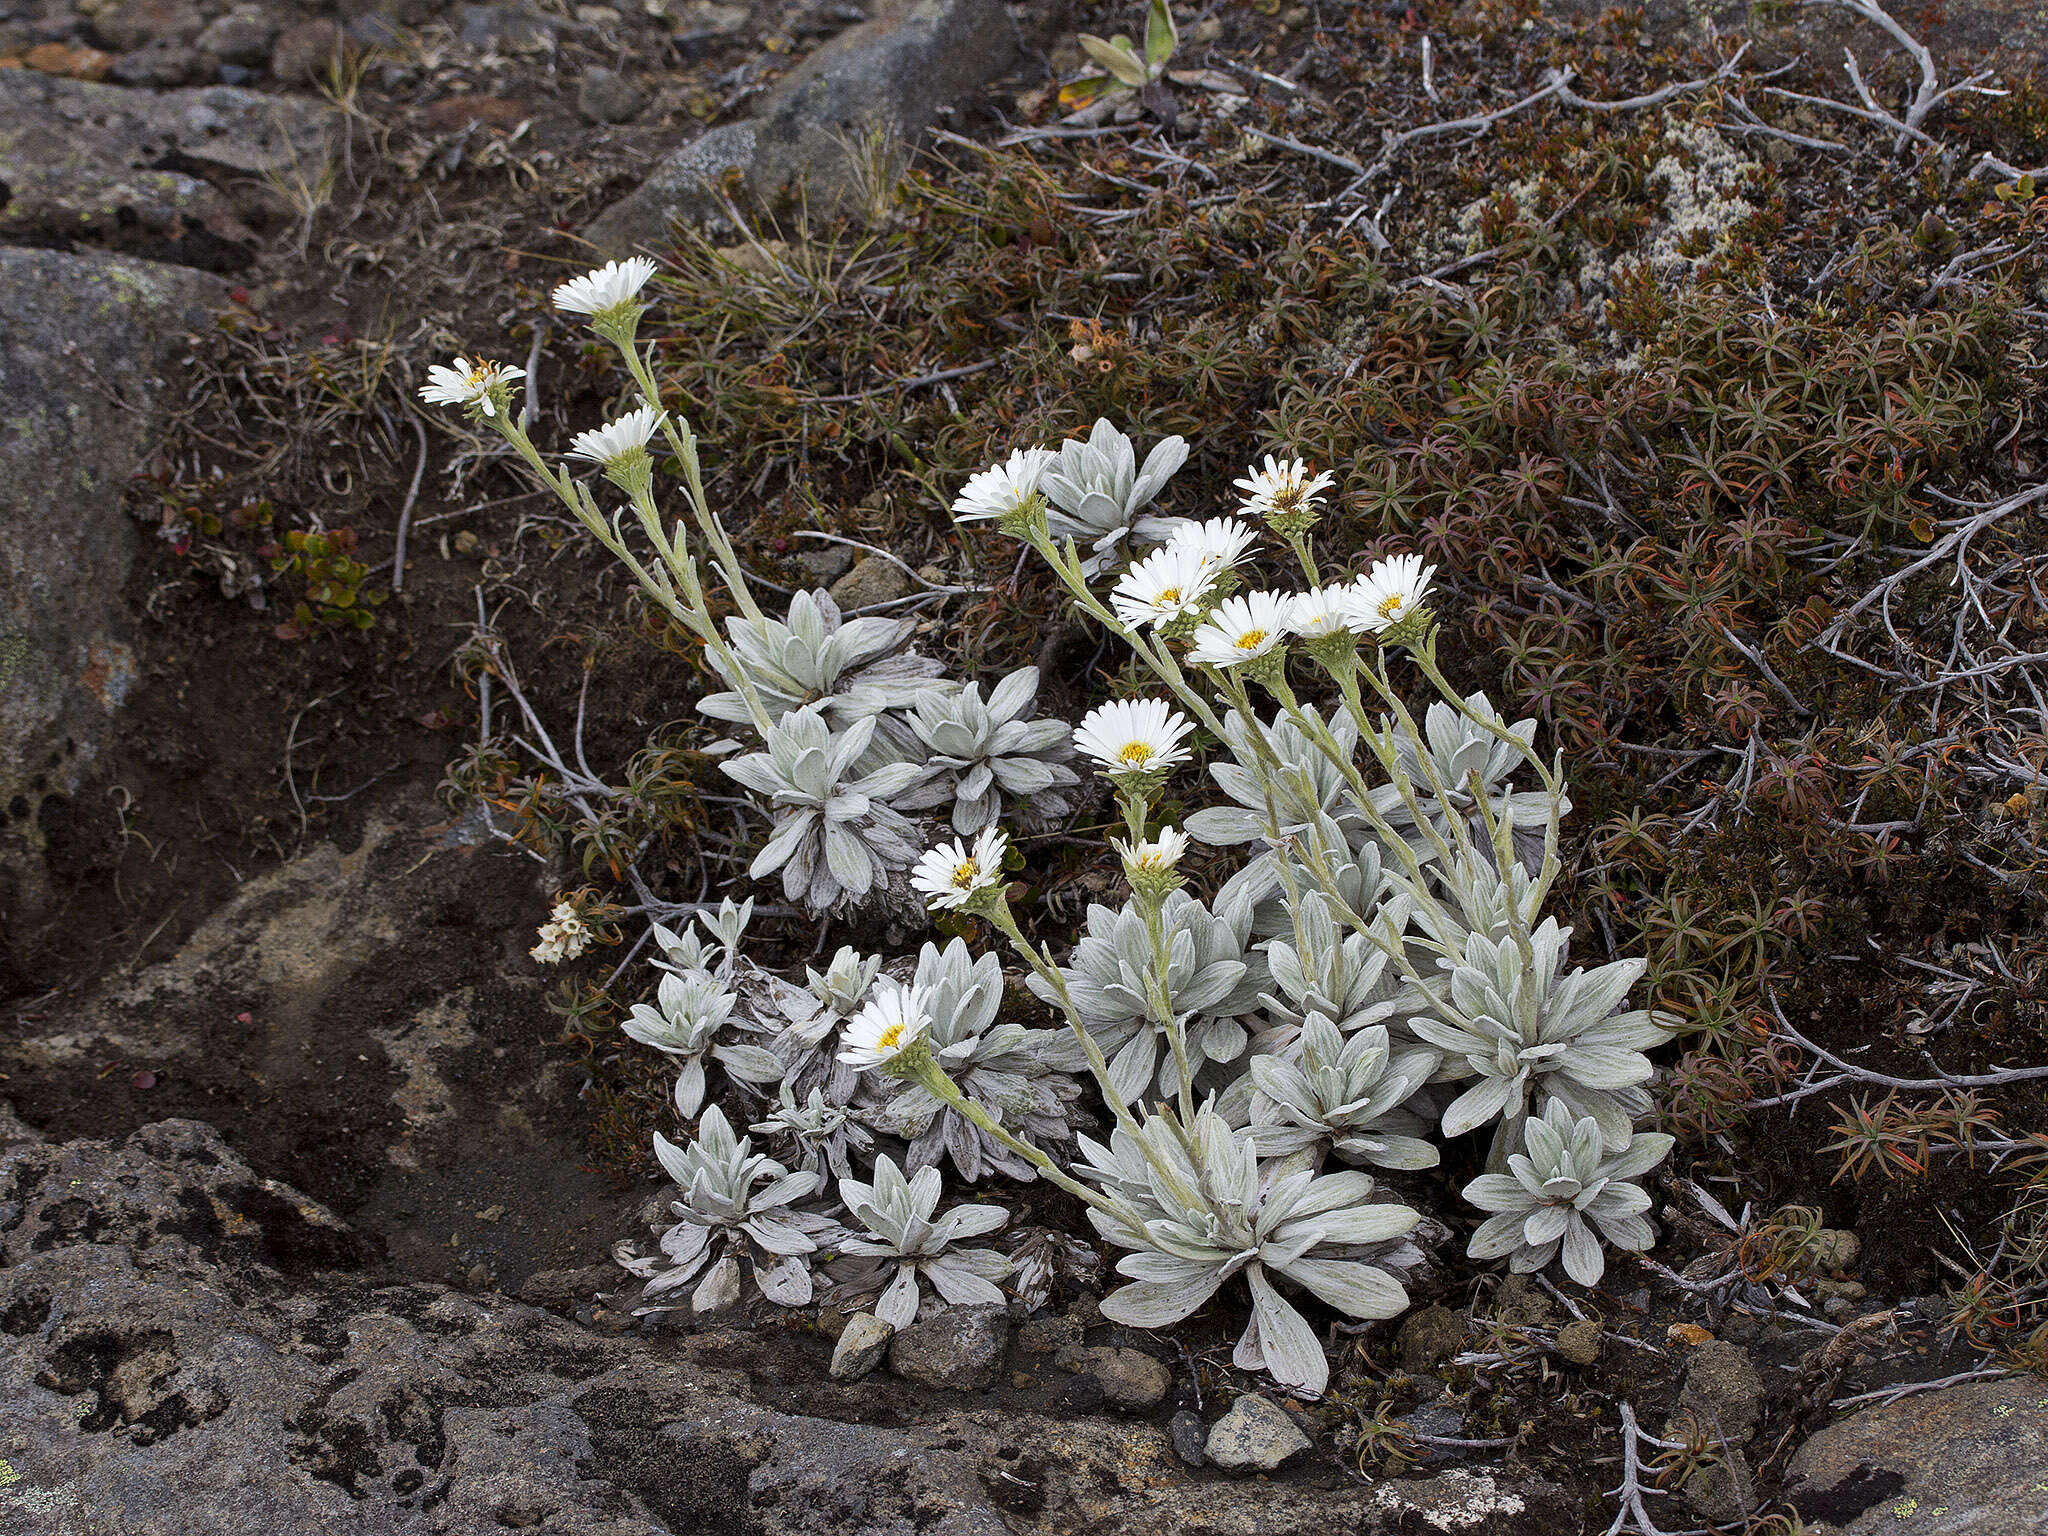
(1337, 958)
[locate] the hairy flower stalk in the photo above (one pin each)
(891, 1034)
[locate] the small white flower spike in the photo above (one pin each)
(1283, 488)
(1217, 544)
(1154, 855)
(1322, 613)
(1389, 593)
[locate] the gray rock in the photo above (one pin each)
(307, 53)
(560, 1289)
(504, 28)
(1190, 1436)
(825, 564)
(240, 37)
(681, 190)
(886, 79)
(1518, 1299)
(134, 24)
(163, 63)
(699, 20)
(13, 1128)
(83, 354)
(606, 96)
(1047, 1335)
(1836, 1248)
(1721, 1491)
(872, 580)
(84, 164)
(192, 1353)
(1256, 1435)
(1130, 1378)
(1962, 1461)
(862, 1343)
(958, 1350)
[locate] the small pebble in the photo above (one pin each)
(1189, 1436)
(1255, 1436)
(862, 1343)
(1580, 1342)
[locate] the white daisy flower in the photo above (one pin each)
(1164, 585)
(1003, 488)
(1325, 611)
(1282, 488)
(608, 444)
(468, 383)
(1218, 543)
(1242, 629)
(611, 285)
(1134, 736)
(1389, 593)
(950, 876)
(1152, 855)
(896, 1016)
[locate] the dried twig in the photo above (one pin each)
(412, 495)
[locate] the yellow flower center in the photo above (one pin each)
(1170, 595)
(889, 1038)
(965, 873)
(1250, 640)
(1152, 860)
(480, 375)
(1137, 754)
(1391, 606)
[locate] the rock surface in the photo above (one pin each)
(1256, 1435)
(1130, 1378)
(864, 97)
(132, 170)
(959, 1350)
(1962, 1461)
(1723, 1390)
(182, 1362)
(369, 1022)
(82, 360)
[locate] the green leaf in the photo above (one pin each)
(1161, 35)
(1123, 62)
